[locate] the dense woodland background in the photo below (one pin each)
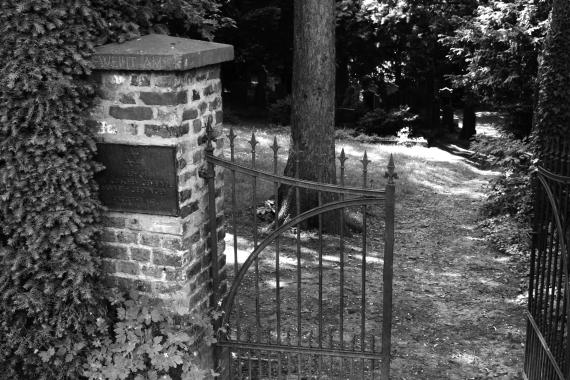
(399, 64)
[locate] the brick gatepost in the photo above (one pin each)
(156, 95)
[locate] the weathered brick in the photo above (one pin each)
(197, 125)
(129, 284)
(133, 223)
(193, 270)
(209, 90)
(189, 77)
(204, 277)
(152, 271)
(166, 131)
(150, 240)
(203, 107)
(108, 266)
(197, 156)
(115, 252)
(127, 99)
(206, 260)
(131, 113)
(188, 176)
(140, 254)
(167, 81)
(172, 243)
(195, 95)
(214, 73)
(162, 257)
(106, 94)
(184, 195)
(181, 163)
(219, 117)
(164, 98)
(174, 274)
(142, 80)
(190, 114)
(167, 288)
(201, 76)
(127, 267)
(215, 104)
(112, 221)
(109, 236)
(126, 237)
(189, 209)
(114, 79)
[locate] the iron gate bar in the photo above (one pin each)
(228, 302)
(309, 185)
(342, 160)
(367, 355)
(341, 355)
(544, 344)
(388, 268)
(548, 346)
(561, 240)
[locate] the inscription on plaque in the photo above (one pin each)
(134, 62)
(138, 179)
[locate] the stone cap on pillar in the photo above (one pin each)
(158, 52)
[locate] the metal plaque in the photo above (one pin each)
(138, 179)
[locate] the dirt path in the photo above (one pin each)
(458, 311)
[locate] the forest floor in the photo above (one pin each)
(457, 303)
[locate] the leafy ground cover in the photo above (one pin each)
(458, 303)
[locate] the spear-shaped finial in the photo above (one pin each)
(391, 174)
(253, 142)
(275, 147)
(342, 158)
(232, 136)
(365, 161)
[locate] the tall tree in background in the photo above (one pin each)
(313, 106)
(552, 122)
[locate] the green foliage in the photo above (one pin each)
(48, 206)
(148, 342)
(508, 207)
(382, 123)
(500, 45)
(280, 111)
(553, 113)
(50, 305)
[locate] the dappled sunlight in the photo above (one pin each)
(454, 297)
(244, 249)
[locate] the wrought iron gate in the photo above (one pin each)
(294, 309)
(547, 352)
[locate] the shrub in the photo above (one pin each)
(387, 123)
(508, 207)
(50, 303)
(280, 111)
(150, 342)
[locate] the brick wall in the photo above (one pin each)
(162, 255)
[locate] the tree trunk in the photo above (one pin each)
(469, 119)
(313, 103)
(552, 129)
